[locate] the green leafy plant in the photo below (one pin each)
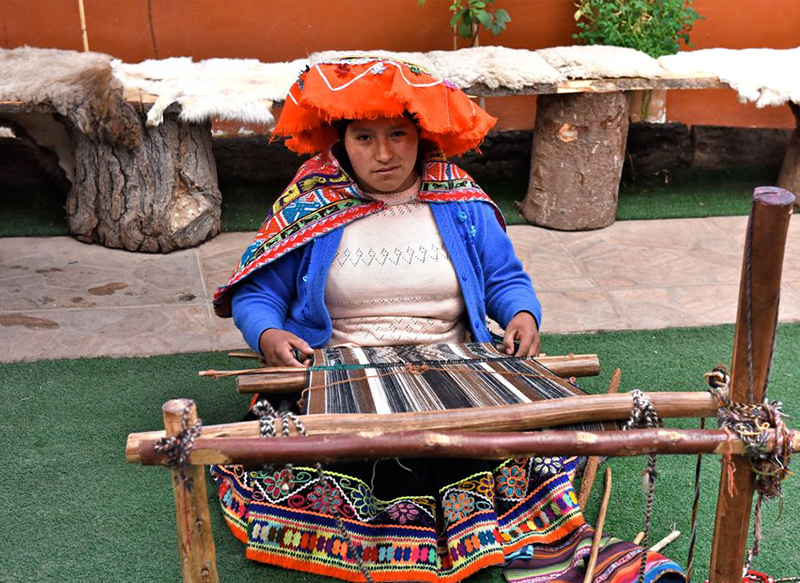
(470, 15)
(655, 27)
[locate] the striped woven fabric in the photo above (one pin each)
(394, 379)
(565, 562)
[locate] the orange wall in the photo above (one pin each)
(273, 30)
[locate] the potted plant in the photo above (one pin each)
(655, 27)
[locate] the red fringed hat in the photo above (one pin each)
(372, 87)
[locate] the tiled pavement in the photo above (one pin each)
(63, 299)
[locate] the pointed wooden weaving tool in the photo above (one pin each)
(598, 531)
(756, 324)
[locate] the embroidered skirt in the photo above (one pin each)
(415, 520)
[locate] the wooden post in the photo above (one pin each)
(576, 160)
(198, 556)
(156, 197)
(756, 323)
(84, 35)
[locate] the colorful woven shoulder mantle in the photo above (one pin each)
(323, 197)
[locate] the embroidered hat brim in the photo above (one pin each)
(369, 88)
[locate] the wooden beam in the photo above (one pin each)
(256, 451)
(518, 417)
(698, 80)
(288, 379)
(198, 555)
(756, 323)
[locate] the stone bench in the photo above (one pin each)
(152, 186)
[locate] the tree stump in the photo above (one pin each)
(576, 160)
(789, 176)
(158, 196)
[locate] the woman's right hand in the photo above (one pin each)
(277, 346)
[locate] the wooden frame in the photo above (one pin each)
(752, 354)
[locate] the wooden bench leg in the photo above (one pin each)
(758, 308)
(789, 177)
(576, 161)
(157, 197)
(198, 554)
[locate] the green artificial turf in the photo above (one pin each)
(75, 511)
(692, 193)
(39, 211)
(684, 194)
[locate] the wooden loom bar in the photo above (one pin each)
(551, 413)
(758, 312)
(198, 555)
(256, 451)
(287, 380)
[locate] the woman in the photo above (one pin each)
(380, 241)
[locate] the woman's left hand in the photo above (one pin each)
(523, 328)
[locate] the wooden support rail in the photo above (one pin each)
(667, 81)
(256, 451)
(551, 413)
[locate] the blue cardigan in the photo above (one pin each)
(289, 293)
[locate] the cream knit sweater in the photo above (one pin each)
(391, 281)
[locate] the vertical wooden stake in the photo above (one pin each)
(198, 555)
(84, 34)
(598, 532)
(756, 323)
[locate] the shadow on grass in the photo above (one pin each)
(32, 211)
(38, 211)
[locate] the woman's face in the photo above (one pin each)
(383, 153)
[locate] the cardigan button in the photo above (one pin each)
(462, 216)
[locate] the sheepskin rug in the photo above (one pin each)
(79, 86)
(600, 62)
(495, 67)
(764, 76)
(88, 88)
(229, 89)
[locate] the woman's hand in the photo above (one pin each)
(277, 345)
(523, 328)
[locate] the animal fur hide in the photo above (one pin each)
(79, 86)
(601, 62)
(765, 76)
(495, 67)
(420, 59)
(234, 89)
